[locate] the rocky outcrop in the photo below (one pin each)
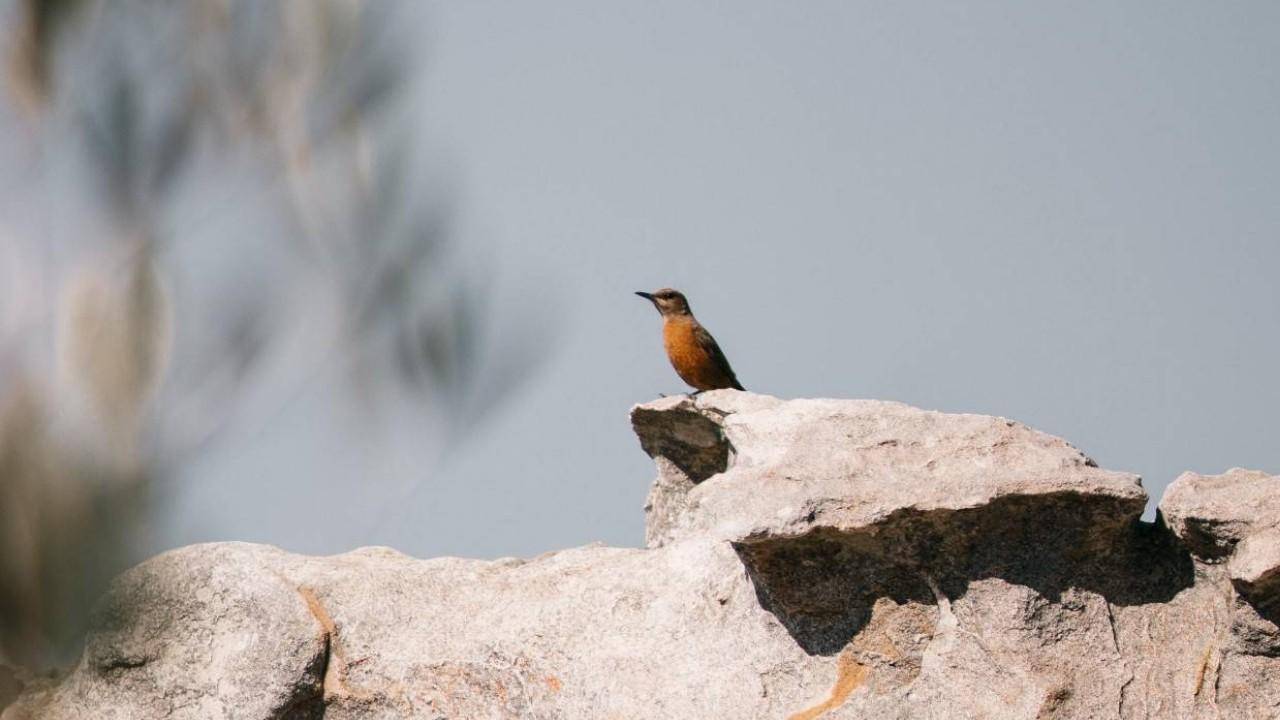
(806, 559)
(1234, 519)
(1212, 514)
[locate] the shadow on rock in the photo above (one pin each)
(822, 585)
(822, 588)
(689, 439)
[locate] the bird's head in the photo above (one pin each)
(669, 302)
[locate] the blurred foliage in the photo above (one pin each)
(139, 106)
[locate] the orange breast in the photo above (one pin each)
(691, 360)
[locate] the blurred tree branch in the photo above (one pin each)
(298, 102)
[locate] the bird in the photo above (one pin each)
(692, 351)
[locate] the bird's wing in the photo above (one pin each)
(708, 344)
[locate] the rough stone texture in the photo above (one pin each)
(848, 465)
(807, 559)
(1212, 513)
(208, 631)
(1255, 564)
(1235, 518)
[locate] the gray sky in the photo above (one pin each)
(1062, 213)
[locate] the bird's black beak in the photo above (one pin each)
(645, 295)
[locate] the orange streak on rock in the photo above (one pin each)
(850, 674)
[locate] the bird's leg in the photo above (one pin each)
(695, 394)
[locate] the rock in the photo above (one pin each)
(1235, 517)
(806, 559)
(207, 631)
(1212, 513)
(1255, 565)
(788, 469)
(830, 500)
(688, 443)
(580, 633)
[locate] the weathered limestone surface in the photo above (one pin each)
(806, 559)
